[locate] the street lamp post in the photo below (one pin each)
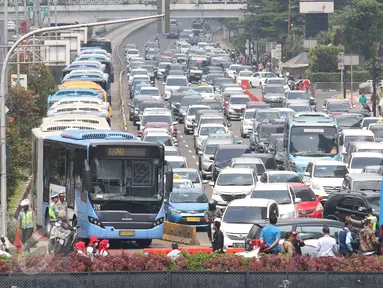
(3, 83)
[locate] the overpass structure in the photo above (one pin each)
(91, 10)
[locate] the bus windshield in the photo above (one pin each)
(120, 178)
(313, 141)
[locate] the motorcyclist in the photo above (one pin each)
(368, 239)
(4, 247)
(363, 102)
(212, 213)
(61, 230)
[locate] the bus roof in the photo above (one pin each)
(312, 118)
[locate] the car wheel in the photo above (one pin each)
(260, 84)
(186, 132)
(251, 85)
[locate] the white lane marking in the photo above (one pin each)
(182, 136)
(190, 151)
(184, 141)
(197, 163)
(193, 156)
(186, 145)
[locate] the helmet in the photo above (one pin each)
(54, 194)
(62, 193)
(212, 204)
(25, 202)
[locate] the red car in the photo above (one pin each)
(310, 207)
(158, 125)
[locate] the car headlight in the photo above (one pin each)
(230, 110)
(287, 215)
(316, 186)
(175, 211)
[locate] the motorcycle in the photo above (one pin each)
(62, 238)
(291, 84)
(4, 247)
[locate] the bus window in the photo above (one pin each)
(46, 163)
(34, 166)
(78, 174)
(57, 165)
(70, 179)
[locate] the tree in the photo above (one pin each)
(324, 58)
(363, 22)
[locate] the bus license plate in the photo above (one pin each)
(127, 233)
(192, 219)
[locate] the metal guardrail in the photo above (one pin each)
(176, 279)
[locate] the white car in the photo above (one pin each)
(354, 135)
(232, 70)
(130, 53)
(206, 92)
(282, 193)
(325, 176)
(190, 116)
(233, 183)
(151, 91)
(244, 75)
(258, 79)
(141, 74)
(162, 137)
(240, 216)
(247, 122)
(138, 71)
(206, 130)
(359, 160)
(173, 83)
(177, 161)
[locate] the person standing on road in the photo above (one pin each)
(270, 235)
(218, 238)
(306, 84)
(175, 252)
(287, 247)
(26, 224)
(53, 207)
(212, 213)
(363, 102)
(368, 239)
(62, 204)
(297, 242)
(326, 245)
(369, 216)
(344, 240)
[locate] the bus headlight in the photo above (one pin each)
(95, 221)
(158, 221)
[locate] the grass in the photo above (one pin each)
(15, 198)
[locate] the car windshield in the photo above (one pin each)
(297, 95)
(177, 67)
(166, 140)
(177, 164)
(172, 153)
(188, 197)
(145, 105)
(270, 129)
(211, 130)
(268, 75)
(182, 184)
(139, 72)
(367, 122)
(349, 139)
(176, 82)
(258, 168)
(330, 171)
(283, 178)
(314, 141)
(363, 185)
(347, 121)
(378, 131)
(300, 108)
(306, 194)
(235, 179)
(153, 92)
(214, 105)
(211, 77)
(151, 45)
(192, 176)
(193, 110)
(239, 100)
(276, 81)
(374, 202)
(176, 98)
(338, 106)
(227, 154)
(279, 89)
(163, 65)
(204, 89)
(267, 115)
(361, 162)
(280, 196)
(156, 118)
(245, 73)
(215, 120)
(249, 114)
(241, 214)
(133, 52)
(187, 101)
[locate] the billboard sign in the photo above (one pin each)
(316, 7)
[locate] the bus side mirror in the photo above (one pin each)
(87, 177)
(169, 181)
(285, 143)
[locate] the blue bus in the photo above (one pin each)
(115, 185)
(308, 136)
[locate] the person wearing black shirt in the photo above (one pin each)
(217, 238)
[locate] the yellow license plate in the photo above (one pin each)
(197, 76)
(192, 219)
(127, 233)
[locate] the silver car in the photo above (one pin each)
(193, 175)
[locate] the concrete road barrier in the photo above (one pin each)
(180, 233)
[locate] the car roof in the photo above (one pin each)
(246, 160)
(271, 186)
(157, 132)
(251, 202)
(171, 148)
(367, 154)
(279, 172)
(212, 125)
(364, 176)
(189, 190)
(239, 96)
(328, 162)
(357, 132)
(319, 221)
(369, 144)
(175, 170)
(232, 146)
(236, 171)
(274, 85)
(176, 77)
(175, 158)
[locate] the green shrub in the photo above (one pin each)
(358, 76)
(323, 58)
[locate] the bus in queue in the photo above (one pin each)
(103, 59)
(80, 85)
(83, 100)
(85, 64)
(50, 127)
(98, 43)
(78, 109)
(115, 184)
(308, 136)
(89, 71)
(94, 78)
(66, 93)
(95, 50)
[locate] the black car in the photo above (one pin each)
(267, 159)
(354, 203)
(274, 95)
(174, 32)
(175, 102)
(212, 103)
(348, 121)
(223, 155)
(262, 134)
(307, 228)
(151, 73)
(172, 67)
(278, 151)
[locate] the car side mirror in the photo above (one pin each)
(138, 123)
(362, 209)
(175, 123)
(166, 201)
(298, 200)
(211, 158)
(307, 174)
(200, 153)
(211, 183)
(205, 182)
(320, 198)
(241, 117)
(176, 144)
(229, 124)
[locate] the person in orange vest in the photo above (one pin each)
(306, 84)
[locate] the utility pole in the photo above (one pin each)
(289, 19)
(55, 3)
(5, 24)
(374, 85)
(26, 15)
(17, 51)
(49, 12)
(159, 20)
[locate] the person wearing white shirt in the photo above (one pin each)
(175, 252)
(326, 245)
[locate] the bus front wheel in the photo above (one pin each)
(144, 243)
